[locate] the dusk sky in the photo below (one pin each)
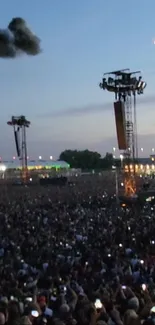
(58, 90)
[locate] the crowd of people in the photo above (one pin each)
(72, 256)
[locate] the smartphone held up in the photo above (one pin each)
(98, 304)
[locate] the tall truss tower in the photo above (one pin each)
(126, 85)
(19, 124)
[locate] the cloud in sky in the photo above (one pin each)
(18, 39)
(93, 108)
(55, 147)
(48, 146)
(58, 139)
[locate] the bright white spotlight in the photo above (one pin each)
(3, 168)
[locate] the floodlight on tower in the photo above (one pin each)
(20, 124)
(126, 86)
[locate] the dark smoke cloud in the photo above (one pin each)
(96, 108)
(18, 39)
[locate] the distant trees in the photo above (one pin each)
(87, 159)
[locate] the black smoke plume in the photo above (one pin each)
(18, 39)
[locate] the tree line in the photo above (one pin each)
(89, 160)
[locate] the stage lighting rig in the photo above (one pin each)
(19, 124)
(126, 85)
(123, 83)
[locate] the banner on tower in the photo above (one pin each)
(119, 109)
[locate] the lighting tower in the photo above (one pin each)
(126, 85)
(19, 124)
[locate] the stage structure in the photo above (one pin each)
(126, 85)
(19, 124)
